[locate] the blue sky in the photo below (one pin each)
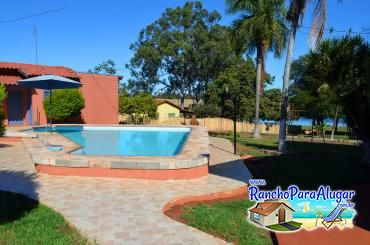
(86, 33)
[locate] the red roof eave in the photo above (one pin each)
(30, 70)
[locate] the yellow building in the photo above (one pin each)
(168, 110)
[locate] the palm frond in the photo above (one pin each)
(237, 6)
(318, 23)
(296, 11)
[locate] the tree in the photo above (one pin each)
(261, 28)
(307, 91)
(66, 104)
(139, 106)
(206, 110)
(3, 95)
(342, 65)
(295, 15)
(180, 53)
(319, 215)
(107, 67)
(349, 78)
(270, 104)
(233, 90)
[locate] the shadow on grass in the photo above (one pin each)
(13, 205)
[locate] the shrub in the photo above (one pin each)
(2, 123)
(139, 106)
(3, 95)
(207, 110)
(66, 103)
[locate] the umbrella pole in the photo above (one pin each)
(51, 111)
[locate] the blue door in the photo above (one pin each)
(15, 107)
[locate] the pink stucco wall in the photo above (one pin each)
(38, 113)
(101, 98)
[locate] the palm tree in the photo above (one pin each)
(319, 214)
(295, 15)
(260, 28)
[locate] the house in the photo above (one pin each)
(187, 102)
(167, 110)
(24, 106)
(271, 213)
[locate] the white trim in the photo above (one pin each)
(166, 129)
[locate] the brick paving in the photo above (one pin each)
(122, 211)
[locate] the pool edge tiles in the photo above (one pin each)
(140, 128)
(192, 160)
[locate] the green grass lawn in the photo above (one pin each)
(227, 220)
(25, 221)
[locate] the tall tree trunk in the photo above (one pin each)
(182, 102)
(313, 121)
(334, 122)
(336, 125)
(256, 133)
(234, 122)
(284, 100)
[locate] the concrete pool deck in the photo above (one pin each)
(123, 211)
(190, 163)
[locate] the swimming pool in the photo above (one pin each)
(124, 141)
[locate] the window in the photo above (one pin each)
(171, 115)
(256, 216)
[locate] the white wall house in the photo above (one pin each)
(270, 213)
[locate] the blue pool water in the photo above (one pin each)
(124, 141)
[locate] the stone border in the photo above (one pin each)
(146, 174)
(194, 154)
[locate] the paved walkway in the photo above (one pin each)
(122, 211)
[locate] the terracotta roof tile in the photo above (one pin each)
(266, 208)
(187, 102)
(9, 80)
(35, 70)
(161, 101)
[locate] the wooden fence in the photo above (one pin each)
(213, 124)
(146, 120)
(224, 125)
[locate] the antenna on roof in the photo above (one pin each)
(34, 31)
